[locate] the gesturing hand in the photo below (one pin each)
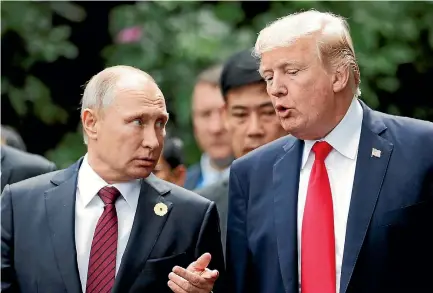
(196, 278)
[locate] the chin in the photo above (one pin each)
(140, 173)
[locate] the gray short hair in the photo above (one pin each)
(100, 91)
(211, 75)
(333, 39)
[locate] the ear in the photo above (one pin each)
(90, 120)
(179, 175)
(340, 78)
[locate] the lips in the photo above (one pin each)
(281, 108)
(282, 111)
(146, 161)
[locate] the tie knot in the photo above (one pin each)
(109, 194)
(321, 149)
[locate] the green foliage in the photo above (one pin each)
(181, 38)
(43, 42)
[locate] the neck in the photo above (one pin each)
(103, 170)
(221, 164)
(324, 129)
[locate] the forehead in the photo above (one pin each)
(303, 50)
(206, 96)
(134, 97)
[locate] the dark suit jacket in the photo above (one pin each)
(389, 236)
(193, 177)
(17, 165)
(219, 193)
(38, 246)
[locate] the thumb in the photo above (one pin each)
(201, 263)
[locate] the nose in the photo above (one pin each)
(277, 88)
(150, 139)
(216, 125)
(254, 127)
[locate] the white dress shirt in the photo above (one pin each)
(340, 164)
(211, 175)
(88, 209)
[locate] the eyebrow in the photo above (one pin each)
(166, 115)
(282, 64)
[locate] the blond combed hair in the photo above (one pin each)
(334, 43)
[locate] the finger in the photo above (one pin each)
(201, 263)
(182, 283)
(175, 288)
(210, 274)
(192, 278)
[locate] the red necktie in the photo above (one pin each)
(318, 239)
(102, 262)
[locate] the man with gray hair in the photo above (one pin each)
(344, 204)
(107, 224)
(209, 132)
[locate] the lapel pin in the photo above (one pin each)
(160, 209)
(375, 153)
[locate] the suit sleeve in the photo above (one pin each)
(239, 279)
(52, 167)
(8, 278)
(209, 240)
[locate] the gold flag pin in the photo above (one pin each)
(375, 153)
(160, 209)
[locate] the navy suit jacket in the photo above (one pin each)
(389, 236)
(193, 177)
(38, 245)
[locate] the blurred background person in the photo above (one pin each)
(249, 117)
(170, 166)
(10, 137)
(209, 131)
(17, 165)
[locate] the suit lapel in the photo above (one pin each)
(285, 183)
(369, 175)
(145, 232)
(60, 209)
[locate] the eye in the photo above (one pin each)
(292, 71)
(160, 123)
(137, 122)
(239, 115)
(268, 78)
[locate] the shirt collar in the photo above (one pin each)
(209, 173)
(89, 184)
(344, 138)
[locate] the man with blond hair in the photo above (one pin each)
(107, 224)
(344, 204)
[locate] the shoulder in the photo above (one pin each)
(196, 168)
(214, 190)
(409, 133)
(32, 188)
(26, 161)
(406, 124)
(265, 155)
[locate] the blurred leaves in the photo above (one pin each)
(35, 92)
(181, 38)
(43, 43)
(174, 41)
(68, 150)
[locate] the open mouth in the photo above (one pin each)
(282, 110)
